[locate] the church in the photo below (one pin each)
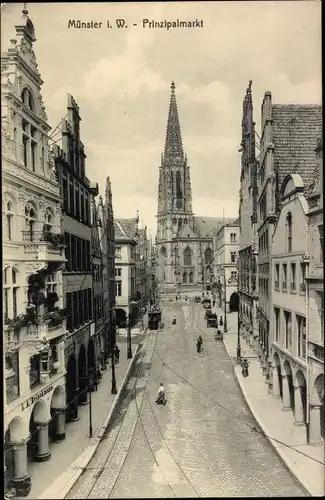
(184, 242)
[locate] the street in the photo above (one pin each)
(201, 444)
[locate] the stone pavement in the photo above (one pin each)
(45, 477)
(274, 422)
(201, 443)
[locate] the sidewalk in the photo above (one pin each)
(50, 478)
(274, 422)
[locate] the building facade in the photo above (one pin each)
(288, 319)
(286, 147)
(315, 311)
(144, 267)
(33, 258)
(226, 244)
(77, 192)
(248, 246)
(184, 242)
(105, 221)
(126, 241)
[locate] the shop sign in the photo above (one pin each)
(35, 398)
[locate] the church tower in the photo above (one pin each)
(174, 195)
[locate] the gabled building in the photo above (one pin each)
(226, 243)
(77, 192)
(184, 242)
(105, 222)
(315, 293)
(126, 241)
(289, 133)
(33, 258)
(248, 245)
(288, 300)
(144, 266)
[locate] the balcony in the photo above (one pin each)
(293, 286)
(302, 287)
(46, 330)
(284, 285)
(44, 246)
(276, 285)
(316, 272)
(316, 350)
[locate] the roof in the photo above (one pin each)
(295, 129)
(125, 229)
(185, 231)
(234, 223)
(206, 226)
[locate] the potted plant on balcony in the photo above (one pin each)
(56, 239)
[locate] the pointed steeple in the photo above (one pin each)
(173, 144)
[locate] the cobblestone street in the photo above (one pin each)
(199, 444)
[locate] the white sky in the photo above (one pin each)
(121, 81)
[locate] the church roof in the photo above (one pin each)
(185, 231)
(124, 229)
(207, 226)
(173, 143)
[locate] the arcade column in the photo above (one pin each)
(20, 478)
(43, 452)
(59, 429)
(286, 401)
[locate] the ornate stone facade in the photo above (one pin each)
(248, 247)
(34, 385)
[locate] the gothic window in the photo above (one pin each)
(9, 221)
(30, 221)
(178, 185)
(190, 277)
(163, 252)
(187, 257)
(289, 232)
(185, 221)
(184, 277)
(208, 256)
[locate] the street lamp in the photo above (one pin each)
(132, 303)
(225, 328)
(113, 337)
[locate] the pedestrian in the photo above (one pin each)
(161, 397)
(213, 303)
(174, 320)
(117, 354)
(221, 320)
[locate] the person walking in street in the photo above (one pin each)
(174, 320)
(199, 343)
(161, 397)
(244, 368)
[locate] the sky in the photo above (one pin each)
(121, 80)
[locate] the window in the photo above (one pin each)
(68, 302)
(302, 277)
(118, 252)
(71, 199)
(10, 294)
(77, 203)
(30, 221)
(184, 277)
(51, 283)
(320, 230)
(285, 278)
(187, 257)
(118, 271)
(293, 276)
(233, 256)
(35, 369)
(9, 221)
(287, 330)
(301, 337)
(67, 251)
(27, 99)
(190, 277)
(208, 256)
(320, 308)
(12, 376)
(233, 276)
(277, 324)
(233, 237)
(118, 288)
(65, 193)
(289, 232)
(276, 275)
(33, 145)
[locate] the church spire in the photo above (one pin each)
(173, 144)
